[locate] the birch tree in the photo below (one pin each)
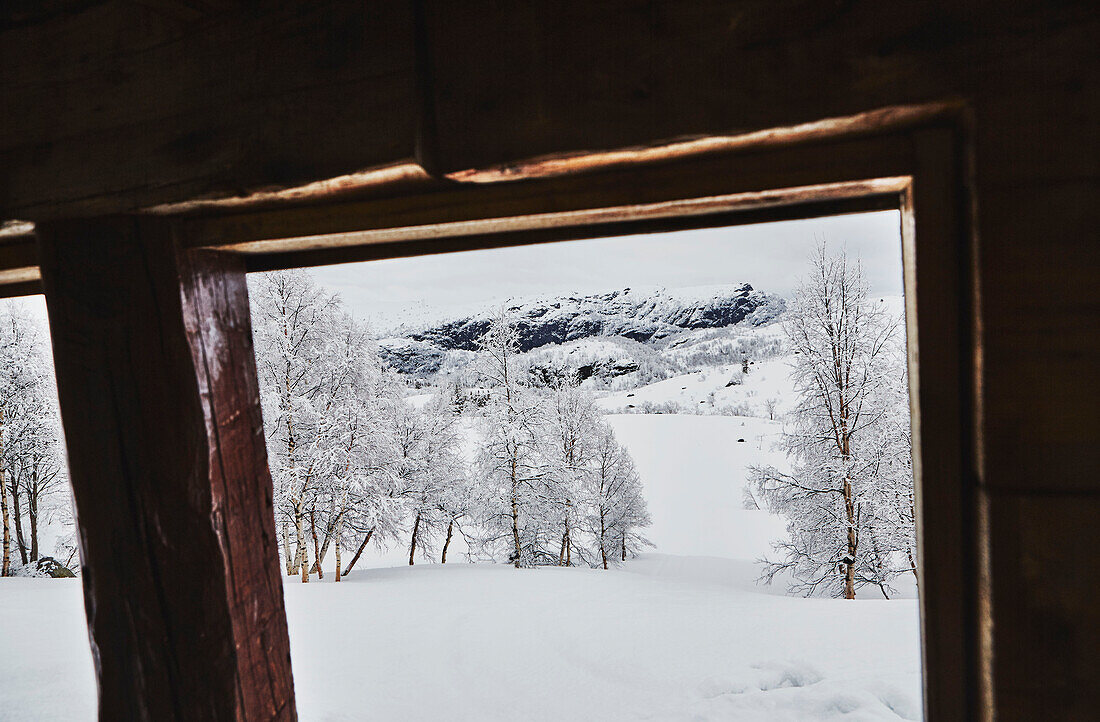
(292, 322)
(615, 508)
(511, 463)
(571, 426)
(844, 373)
(32, 467)
(354, 454)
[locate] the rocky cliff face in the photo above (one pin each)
(643, 316)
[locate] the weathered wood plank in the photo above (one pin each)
(938, 298)
(517, 80)
(744, 170)
(1041, 586)
(161, 411)
(111, 106)
(18, 262)
(114, 106)
(1041, 303)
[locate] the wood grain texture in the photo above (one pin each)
(1044, 620)
(110, 106)
(19, 273)
(750, 170)
(517, 80)
(160, 406)
(938, 298)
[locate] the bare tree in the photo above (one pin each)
(511, 463)
(325, 396)
(615, 508)
(32, 468)
(844, 370)
(571, 425)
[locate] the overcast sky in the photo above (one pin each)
(770, 256)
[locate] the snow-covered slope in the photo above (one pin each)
(696, 495)
(764, 392)
(643, 315)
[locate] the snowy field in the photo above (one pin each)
(683, 633)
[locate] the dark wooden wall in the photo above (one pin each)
(108, 107)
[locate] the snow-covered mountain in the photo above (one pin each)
(645, 316)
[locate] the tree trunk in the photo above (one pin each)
(849, 503)
(515, 517)
(316, 545)
(359, 551)
(304, 566)
(300, 538)
(326, 541)
(850, 561)
(909, 549)
(32, 514)
(287, 557)
(412, 543)
(17, 514)
(336, 549)
(603, 540)
(853, 540)
(624, 547)
(5, 569)
(447, 543)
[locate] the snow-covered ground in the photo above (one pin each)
(665, 638)
(696, 495)
(710, 390)
(683, 633)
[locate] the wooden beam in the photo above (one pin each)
(709, 181)
(512, 81)
(942, 363)
(160, 404)
(118, 106)
(781, 174)
(19, 273)
(740, 209)
(110, 106)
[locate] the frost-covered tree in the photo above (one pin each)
(436, 478)
(324, 395)
(846, 375)
(36, 465)
(615, 510)
(894, 504)
(511, 462)
(571, 425)
(355, 485)
(33, 477)
(446, 469)
(292, 323)
(549, 471)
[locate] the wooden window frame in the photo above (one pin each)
(913, 159)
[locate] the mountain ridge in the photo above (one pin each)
(642, 315)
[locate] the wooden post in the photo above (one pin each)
(160, 405)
